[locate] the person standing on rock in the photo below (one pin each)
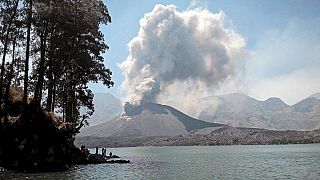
(97, 150)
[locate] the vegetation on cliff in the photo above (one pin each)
(62, 41)
(37, 140)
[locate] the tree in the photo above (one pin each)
(9, 13)
(62, 40)
(71, 45)
(26, 66)
(79, 45)
(42, 30)
(65, 45)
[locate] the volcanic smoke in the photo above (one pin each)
(180, 55)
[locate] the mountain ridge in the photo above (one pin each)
(156, 124)
(316, 95)
(239, 110)
(236, 110)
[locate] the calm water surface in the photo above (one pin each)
(198, 162)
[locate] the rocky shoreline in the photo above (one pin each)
(99, 159)
(209, 137)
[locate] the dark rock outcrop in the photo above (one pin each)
(98, 159)
(37, 141)
(119, 161)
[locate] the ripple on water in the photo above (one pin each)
(224, 162)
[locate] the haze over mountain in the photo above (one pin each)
(239, 110)
(147, 120)
(106, 107)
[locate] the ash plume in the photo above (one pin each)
(180, 53)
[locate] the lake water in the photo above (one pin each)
(199, 162)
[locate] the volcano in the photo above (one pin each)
(148, 119)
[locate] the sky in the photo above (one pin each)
(280, 56)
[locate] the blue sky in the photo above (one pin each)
(281, 40)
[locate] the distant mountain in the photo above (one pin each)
(106, 107)
(239, 110)
(147, 120)
(155, 124)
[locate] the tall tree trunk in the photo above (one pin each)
(70, 115)
(69, 103)
(26, 68)
(64, 102)
(53, 94)
(5, 49)
(41, 70)
(10, 75)
(50, 89)
(17, 79)
(51, 75)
